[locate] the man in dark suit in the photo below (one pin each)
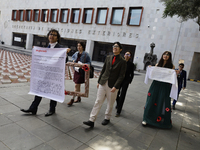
(109, 81)
(124, 85)
(181, 75)
(54, 39)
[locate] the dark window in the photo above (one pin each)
(21, 15)
(88, 15)
(36, 15)
(70, 43)
(75, 15)
(117, 16)
(40, 41)
(101, 17)
(135, 16)
(54, 15)
(19, 39)
(45, 15)
(28, 15)
(64, 15)
(14, 15)
(103, 49)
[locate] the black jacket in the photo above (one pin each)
(129, 72)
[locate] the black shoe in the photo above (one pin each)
(89, 123)
(173, 107)
(105, 122)
(49, 113)
(117, 115)
(29, 111)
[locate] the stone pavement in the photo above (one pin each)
(65, 131)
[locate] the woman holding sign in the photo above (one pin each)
(80, 57)
(157, 111)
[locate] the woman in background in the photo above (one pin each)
(79, 57)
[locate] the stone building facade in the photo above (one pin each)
(99, 23)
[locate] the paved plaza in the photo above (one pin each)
(65, 131)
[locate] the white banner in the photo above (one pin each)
(163, 75)
(48, 73)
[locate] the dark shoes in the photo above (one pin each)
(117, 115)
(89, 123)
(173, 107)
(105, 122)
(29, 111)
(71, 102)
(49, 113)
(78, 100)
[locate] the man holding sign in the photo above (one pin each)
(44, 76)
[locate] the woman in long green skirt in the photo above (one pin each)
(157, 110)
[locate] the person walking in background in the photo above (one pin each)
(80, 57)
(181, 75)
(124, 85)
(158, 104)
(54, 39)
(110, 79)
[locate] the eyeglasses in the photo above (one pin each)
(114, 46)
(52, 34)
(127, 54)
(181, 66)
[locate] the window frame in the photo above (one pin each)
(128, 20)
(83, 18)
(97, 13)
(78, 16)
(60, 20)
(19, 15)
(27, 14)
(17, 11)
(42, 15)
(38, 15)
(113, 8)
(56, 16)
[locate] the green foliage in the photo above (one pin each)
(185, 9)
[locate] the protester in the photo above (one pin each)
(54, 39)
(181, 75)
(80, 57)
(125, 83)
(109, 82)
(157, 111)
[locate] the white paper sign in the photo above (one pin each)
(48, 73)
(163, 75)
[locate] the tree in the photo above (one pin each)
(185, 9)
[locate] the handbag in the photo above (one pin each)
(82, 72)
(91, 71)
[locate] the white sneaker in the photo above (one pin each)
(144, 123)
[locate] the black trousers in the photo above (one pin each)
(36, 102)
(121, 96)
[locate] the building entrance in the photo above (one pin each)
(19, 39)
(40, 41)
(102, 49)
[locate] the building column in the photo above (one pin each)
(29, 41)
(89, 47)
